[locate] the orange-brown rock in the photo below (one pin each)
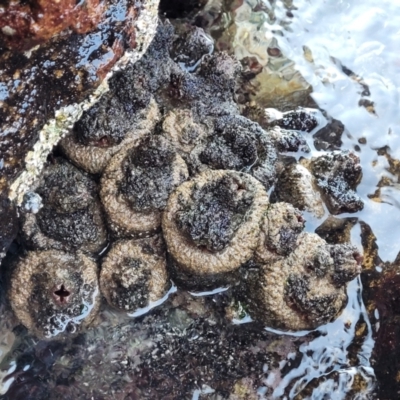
(25, 24)
(51, 83)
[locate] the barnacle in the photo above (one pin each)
(136, 184)
(133, 274)
(71, 216)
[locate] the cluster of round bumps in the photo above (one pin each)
(174, 183)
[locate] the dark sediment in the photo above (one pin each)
(9, 224)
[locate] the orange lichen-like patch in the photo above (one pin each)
(26, 24)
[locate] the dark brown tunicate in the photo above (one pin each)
(55, 294)
(211, 227)
(214, 214)
(136, 184)
(190, 46)
(133, 273)
(300, 120)
(296, 185)
(238, 144)
(304, 289)
(148, 179)
(103, 125)
(280, 228)
(70, 217)
(209, 91)
(9, 224)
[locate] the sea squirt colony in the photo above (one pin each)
(166, 172)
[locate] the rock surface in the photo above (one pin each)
(45, 89)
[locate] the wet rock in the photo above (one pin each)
(336, 230)
(211, 227)
(337, 176)
(133, 273)
(297, 186)
(27, 24)
(330, 136)
(280, 228)
(136, 184)
(370, 247)
(180, 8)
(300, 120)
(54, 294)
(191, 45)
(288, 140)
(380, 295)
(70, 217)
(238, 144)
(278, 84)
(44, 90)
(305, 289)
(9, 224)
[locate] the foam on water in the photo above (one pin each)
(210, 292)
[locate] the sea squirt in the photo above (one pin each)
(55, 294)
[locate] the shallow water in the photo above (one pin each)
(348, 52)
(323, 39)
(317, 39)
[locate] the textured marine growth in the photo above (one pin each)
(55, 294)
(165, 180)
(297, 281)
